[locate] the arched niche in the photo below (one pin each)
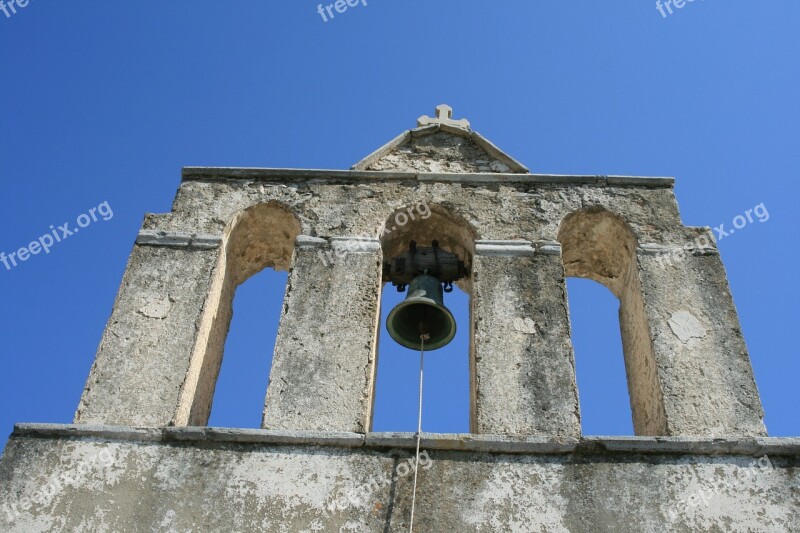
(424, 224)
(601, 246)
(259, 237)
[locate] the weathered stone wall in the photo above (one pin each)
(523, 366)
(440, 152)
(322, 378)
(705, 371)
(317, 467)
(497, 207)
(523, 469)
(148, 343)
(79, 478)
(523, 370)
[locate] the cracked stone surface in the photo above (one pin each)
(101, 484)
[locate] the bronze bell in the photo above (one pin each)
(422, 313)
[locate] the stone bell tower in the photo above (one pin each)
(139, 456)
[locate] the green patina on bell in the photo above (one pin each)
(422, 312)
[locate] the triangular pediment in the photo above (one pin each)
(441, 148)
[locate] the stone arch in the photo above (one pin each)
(600, 245)
(425, 223)
(258, 237)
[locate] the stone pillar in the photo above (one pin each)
(323, 369)
(704, 369)
(524, 370)
(147, 347)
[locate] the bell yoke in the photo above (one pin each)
(428, 272)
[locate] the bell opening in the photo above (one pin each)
(409, 320)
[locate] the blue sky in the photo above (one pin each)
(106, 101)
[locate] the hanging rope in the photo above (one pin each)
(422, 339)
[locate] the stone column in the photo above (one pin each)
(148, 343)
(323, 369)
(704, 369)
(524, 370)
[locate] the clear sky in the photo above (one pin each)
(106, 101)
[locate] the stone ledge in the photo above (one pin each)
(490, 248)
(473, 443)
(349, 243)
(176, 239)
(355, 244)
(695, 445)
(306, 242)
(548, 247)
(255, 174)
(649, 248)
(264, 436)
(504, 444)
(504, 248)
(122, 433)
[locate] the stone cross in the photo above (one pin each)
(444, 115)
